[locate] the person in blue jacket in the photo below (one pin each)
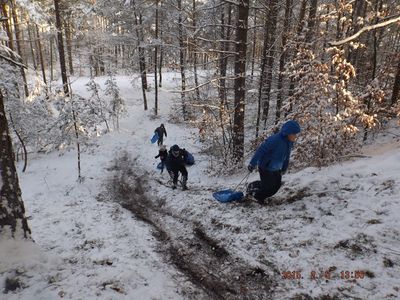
(272, 158)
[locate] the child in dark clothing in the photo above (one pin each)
(162, 154)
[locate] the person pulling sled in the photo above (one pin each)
(162, 154)
(272, 158)
(161, 131)
(175, 164)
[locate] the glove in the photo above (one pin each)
(250, 168)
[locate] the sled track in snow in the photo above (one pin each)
(187, 246)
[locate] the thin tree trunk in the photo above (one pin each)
(282, 59)
(61, 48)
(51, 60)
(18, 42)
(223, 56)
(7, 27)
(378, 7)
(68, 37)
(269, 49)
(142, 59)
(39, 43)
(155, 64)
(253, 50)
(299, 30)
(312, 20)
(161, 57)
(22, 143)
(182, 59)
(196, 77)
(223, 64)
(396, 86)
(31, 45)
(240, 79)
(13, 222)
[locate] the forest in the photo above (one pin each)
(83, 86)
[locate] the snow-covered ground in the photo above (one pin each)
(341, 218)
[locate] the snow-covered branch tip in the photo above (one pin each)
(365, 29)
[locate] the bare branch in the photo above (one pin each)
(361, 31)
(13, 61)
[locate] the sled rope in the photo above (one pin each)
(244, 181)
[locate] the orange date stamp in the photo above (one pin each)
(324, 275)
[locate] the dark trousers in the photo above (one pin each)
(175, 174)
(269, 185)
(160, 140)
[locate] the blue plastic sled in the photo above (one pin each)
(189, 159)
(154, 138)
(228, 196)
(159, 166)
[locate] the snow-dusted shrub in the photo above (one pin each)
(98, 106)
(329, 114)
(117, 104)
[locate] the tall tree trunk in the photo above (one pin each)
(13, 222)
(269, 55)
(223, 56)
(223, 65)
(68, 37)
(396, 86)
(7, 27)
(182, 61)
(142, 59)
(160, 64)
(253, 49)
(378, 8)
(196, 76)
(61, 48)
(312, 20)
(299, 30)
(155, 64)
(18, 40)
(51, 45)
(282, 59)
(240, 79)
(31, 43)
(40, 50)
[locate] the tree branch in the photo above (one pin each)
(361, 31)
(13, 61)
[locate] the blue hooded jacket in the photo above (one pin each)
(274, 153)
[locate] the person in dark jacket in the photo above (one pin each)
(272, 158)
(176, 163)
(160, 132)
(162, 154)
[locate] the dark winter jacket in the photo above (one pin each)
(162, 154)
(274, 153)
(160, 131)
(175, 163)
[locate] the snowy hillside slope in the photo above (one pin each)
(337, 219)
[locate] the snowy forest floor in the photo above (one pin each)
(120, 234)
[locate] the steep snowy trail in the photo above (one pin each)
(341, 218)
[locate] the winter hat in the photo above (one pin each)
(175, 148)
(163, 147)
(290, 127)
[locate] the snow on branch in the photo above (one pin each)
(10, 56)
(367, 28)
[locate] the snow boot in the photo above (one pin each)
(184, 181)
